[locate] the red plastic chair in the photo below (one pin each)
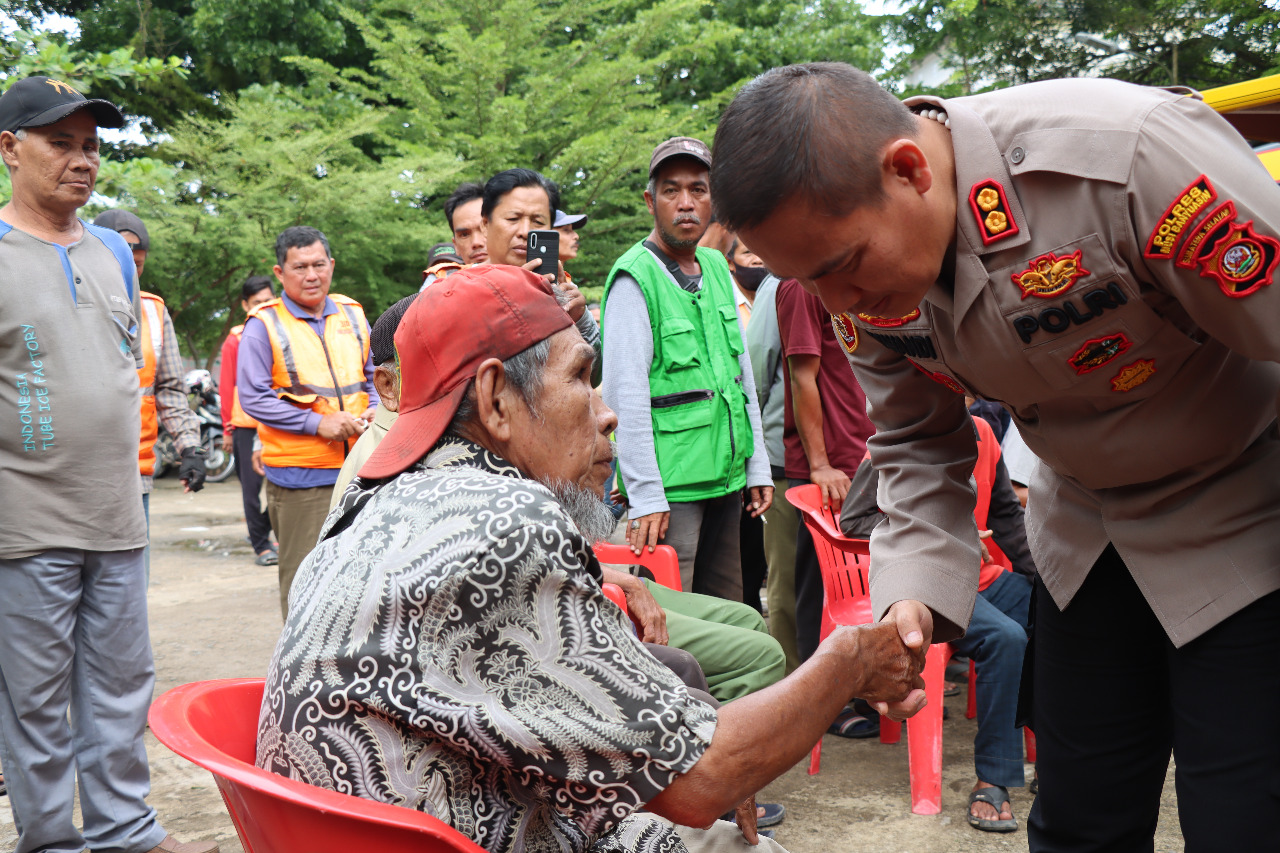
(663, 562)
(215, 724)
(845, 565)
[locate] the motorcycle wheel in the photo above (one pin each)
(218, 463)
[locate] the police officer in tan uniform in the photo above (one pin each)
(1101, 259)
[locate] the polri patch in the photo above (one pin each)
(991, 208)
(889, 322)
(1182, 212)
(846, 331)
(1133, 375)
(1206, 236)
(942, 379)
(1049, 275)
(1099, 351)
(1243, 261)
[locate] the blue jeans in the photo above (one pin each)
(995, 641)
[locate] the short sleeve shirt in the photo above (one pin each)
(448, 649)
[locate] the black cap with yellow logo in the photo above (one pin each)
(41, 101)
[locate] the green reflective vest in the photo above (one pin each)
(700, 428)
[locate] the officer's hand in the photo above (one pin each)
(339, 426)
(761, 498)
(647, 530)
(914, 624)
(834, 485)
(577, 303)
(191, 469)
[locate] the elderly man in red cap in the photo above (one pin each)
(449, 649)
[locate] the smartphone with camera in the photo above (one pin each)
(544, 245)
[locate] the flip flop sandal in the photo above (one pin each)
(267, 558)
(4, 789)
(851, 724)
(996, 796)
(1034, 787)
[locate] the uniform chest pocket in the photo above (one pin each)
(1128, 356)
(680, 345)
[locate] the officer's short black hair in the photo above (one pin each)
(513, 179)
(299, 237)
(810, 130)
(463, 194)
(255, 284)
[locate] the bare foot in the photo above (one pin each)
(986, 811)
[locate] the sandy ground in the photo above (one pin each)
(214, 614)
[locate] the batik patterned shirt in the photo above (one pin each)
(449, 649)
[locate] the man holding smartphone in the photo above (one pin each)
(677, 374)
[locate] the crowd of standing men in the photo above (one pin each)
(722, 384)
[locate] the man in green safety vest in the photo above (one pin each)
(677, 375)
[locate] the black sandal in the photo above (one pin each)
(995, 796)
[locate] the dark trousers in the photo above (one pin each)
(255, 516)
(751, 543)
(1112, 699)
(808, 588)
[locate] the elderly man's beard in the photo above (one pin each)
(592, 516)
(676, 242)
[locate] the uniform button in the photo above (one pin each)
(77, 281)
(1017, 155)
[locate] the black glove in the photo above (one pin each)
(191, 469)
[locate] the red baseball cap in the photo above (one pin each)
(487, 311)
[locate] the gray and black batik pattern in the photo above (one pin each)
(448, 649)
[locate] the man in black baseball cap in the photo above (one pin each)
(76, 670)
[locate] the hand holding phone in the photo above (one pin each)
(544, 246)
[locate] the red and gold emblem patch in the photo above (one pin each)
(1181, 213)
(941, 378)
(1099, 351)
(846, 331)
(1049, 275)
(1206, 236)
(1133, 375)
(991, 209)
(889, 322)
(1243, 261)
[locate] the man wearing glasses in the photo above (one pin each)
(305, 375)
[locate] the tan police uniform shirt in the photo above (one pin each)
(1116, 290)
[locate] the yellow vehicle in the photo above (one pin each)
(1253, 107)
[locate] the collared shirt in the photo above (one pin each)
(1115, 289)
(253, 380)
(448, 649)
(172, 406)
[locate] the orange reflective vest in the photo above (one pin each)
(238, 416)
(151, 328)
(324, 375)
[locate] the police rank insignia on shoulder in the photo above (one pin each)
(1182, 212)
(846, 331)
(1099, 351)
(941, 378)
(1049, 275)
(1133, 375)
(889, 322)
(991, 209)
(1242, 262)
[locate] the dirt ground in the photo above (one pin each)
(214, 614)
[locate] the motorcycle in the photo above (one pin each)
(202, 396)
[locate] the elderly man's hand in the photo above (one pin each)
(912, 622)
(746, 816)
(646, 530)
(641, 606)
(888, 671)
(339, 426)
(577, 303)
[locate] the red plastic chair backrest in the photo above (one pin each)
(214, 724)
(663, 562)
(844, 562)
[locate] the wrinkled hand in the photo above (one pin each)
(834, 485)
(746, 816)
(760, 499)
(577, 303)
(912, 621)
(339, 426)
(646, 612)
(228, 443)
(652, 527)
(191, 469)
(888, 673)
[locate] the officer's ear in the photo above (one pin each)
(904, 164)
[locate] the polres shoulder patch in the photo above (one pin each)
(1180, 213)
(1243, 261)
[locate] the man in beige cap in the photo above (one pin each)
(677, 373)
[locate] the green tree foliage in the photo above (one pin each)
(993, 43)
